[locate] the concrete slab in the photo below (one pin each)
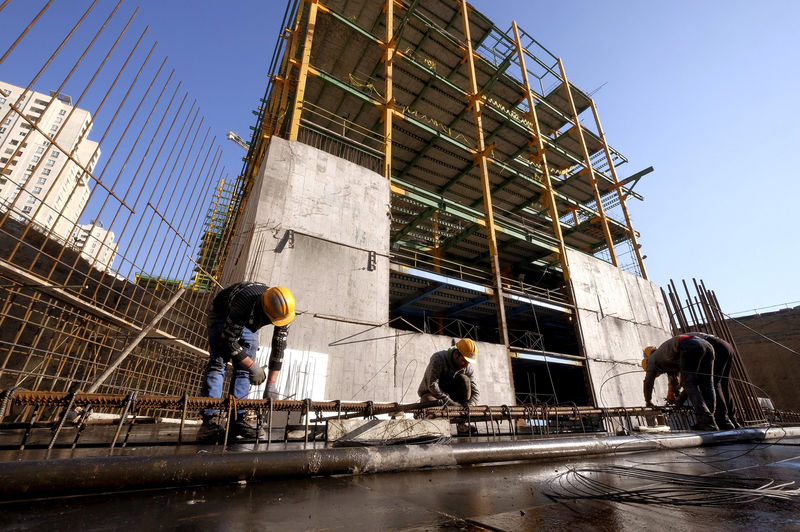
(497, 497)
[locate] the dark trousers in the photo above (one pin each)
(697, 370)
(723, 352)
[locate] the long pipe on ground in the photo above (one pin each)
(39, 478)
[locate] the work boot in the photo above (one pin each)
(246, 427)
(212, 430)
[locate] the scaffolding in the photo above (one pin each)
(494, 172)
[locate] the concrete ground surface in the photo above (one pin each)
(514, 496)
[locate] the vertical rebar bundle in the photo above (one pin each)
(702, 313)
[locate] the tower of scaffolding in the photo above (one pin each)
(499, 166)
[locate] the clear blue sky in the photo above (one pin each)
(702, 91)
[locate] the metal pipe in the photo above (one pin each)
(38, 478)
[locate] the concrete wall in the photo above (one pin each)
(379, 364)
(309, 224)
(772, 368)
(619, 313)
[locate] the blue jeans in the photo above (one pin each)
(219, 355)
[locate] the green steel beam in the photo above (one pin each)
(412, 224)
(468, 214)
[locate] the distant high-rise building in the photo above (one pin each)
(38, 179)
(95, 243)
(44, 151)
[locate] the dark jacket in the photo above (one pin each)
(240, 306)
(442, 370)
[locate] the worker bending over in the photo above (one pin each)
(693, 357)
(449, 376)
(723, 360)
(235, 316)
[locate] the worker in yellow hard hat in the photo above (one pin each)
(235, 316)
(693, 358)
(450, 377)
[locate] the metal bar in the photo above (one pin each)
(25, 31)
(476, 103)
(389, 51)
(128, 350)
(540, 154)
(618, 187)
(303, 73)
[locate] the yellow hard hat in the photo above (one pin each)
(468, 350)
(647, 351)
(278, 304)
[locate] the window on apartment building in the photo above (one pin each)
(3, 100)
(46, 171)
(37, 190)
(22, 133)
(39, 151)
(41, 181)
(31, 199)
(49, 220)
(14, 142)
(54, 128)
(26, 209)
(35, 159)
(59, 120)
(4, 160)
(50, 162)
(9, 151)
(8, 121)
(2, 130)
(3, 181)
(62, 112)
(54, 154)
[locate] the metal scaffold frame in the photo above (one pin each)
(486, 169)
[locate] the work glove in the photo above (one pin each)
(257, 375)
(272, 391)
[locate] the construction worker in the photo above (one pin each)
(449, 376)
(693, 357)
(723, 361)
(235, 316)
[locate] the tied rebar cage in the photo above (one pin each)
(106, 169)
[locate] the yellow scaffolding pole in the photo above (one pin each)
(588, 165)
(480, 158)
(277, 107)
(303, 74)
(620, 195)
(389, 46)
(540, 156)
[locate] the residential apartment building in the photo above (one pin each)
(95, 243)
(44, 159)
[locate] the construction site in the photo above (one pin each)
(415, 176)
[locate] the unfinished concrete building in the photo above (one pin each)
(418, 175)
(415, 176)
